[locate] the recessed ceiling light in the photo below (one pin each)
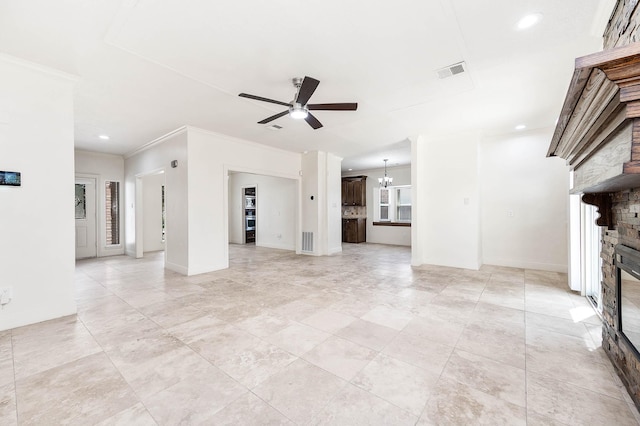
(104, 137)
(529, 21)
(521, 127)
(350, 170)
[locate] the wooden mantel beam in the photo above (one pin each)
(603, 94)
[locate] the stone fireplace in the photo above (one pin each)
(598, 133)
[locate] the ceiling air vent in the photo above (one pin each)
(451, 70)
(274, 127)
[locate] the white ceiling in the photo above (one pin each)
(147, 67)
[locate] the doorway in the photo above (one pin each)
(154, 213)
(150, 217)
(262, 210)
(85, 214)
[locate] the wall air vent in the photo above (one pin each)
(452, 70)
(307, 242)
(274, 127)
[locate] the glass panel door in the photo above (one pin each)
(591, 262)
(81, 201)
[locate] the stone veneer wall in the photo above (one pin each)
(626, 212)
(623, 25)
(623, 28)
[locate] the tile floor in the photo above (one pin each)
(356, 338)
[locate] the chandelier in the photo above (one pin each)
(386, 180)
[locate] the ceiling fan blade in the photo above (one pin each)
(273, 117)
(333, 107)
(313, 122)
(309, 86)
(260, 98)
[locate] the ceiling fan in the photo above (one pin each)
(298, 107)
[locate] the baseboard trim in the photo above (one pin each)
(277, 246)
(511, 263)
(335, 250)
(176, 268)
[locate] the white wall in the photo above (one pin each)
(418, 200)
(157, 157)
(445, 193)
(37, 253)
(237, 183)
(322, 215)
(394, 235)
(277, 205)
(524, 202)
(152, 211)
(334, 204)
(211, 157)
(310, 209)
(196, 192)
(104, 167)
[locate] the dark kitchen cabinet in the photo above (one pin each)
(354, 191)
(346, 187)
(354, 230)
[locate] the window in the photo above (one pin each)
(112, 210)
(81, 201)
(164, 214)
(393, 204)
(403, 204)
(384, 204)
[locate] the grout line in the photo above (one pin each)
(526, 370)
(312, 266)
(15, 382)
(139, 399)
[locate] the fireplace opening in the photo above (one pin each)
(627, 262)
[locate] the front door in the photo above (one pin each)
(85, 218)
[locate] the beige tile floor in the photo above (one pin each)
(356, 338)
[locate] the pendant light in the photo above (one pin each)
(386, 180)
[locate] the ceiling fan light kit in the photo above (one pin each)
(298, 112)
(299, 107)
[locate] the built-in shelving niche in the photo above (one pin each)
(250, 209)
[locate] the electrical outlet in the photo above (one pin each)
(6, 294)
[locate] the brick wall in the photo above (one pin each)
(623, 28)
(626, 212)
(624, 24)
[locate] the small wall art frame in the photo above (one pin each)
(10, 178)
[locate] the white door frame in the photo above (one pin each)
(585, 271)
(139, 213)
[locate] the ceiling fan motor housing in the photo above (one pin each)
(299, 107)
(297, 82)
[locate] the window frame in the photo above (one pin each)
(392, 205)
(399, 204)
(387, 204)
